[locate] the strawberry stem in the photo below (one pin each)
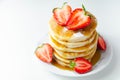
(90, 15)
(72, 64)
(59, 7)
(99, 35)
(64, 3)
(83, 7)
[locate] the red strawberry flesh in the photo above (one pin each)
(44, 53)
(78, 20)
(101, 43)
(82, 65)
(62, 15)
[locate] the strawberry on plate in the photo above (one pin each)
(44, 53)
(101, 43)
(78, 19)
(62, 15)
(81, 65)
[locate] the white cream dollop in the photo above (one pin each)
(77, 37)
(78, 34)
(65, 29)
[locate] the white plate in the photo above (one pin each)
(101, 64)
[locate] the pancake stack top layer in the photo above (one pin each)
(70, 44)
(70, 35)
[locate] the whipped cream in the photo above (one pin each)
(78, 34)
(65, 29)
(77, 37)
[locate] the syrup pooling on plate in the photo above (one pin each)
(96, 57)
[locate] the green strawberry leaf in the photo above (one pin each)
(83, 7)
(72, 64)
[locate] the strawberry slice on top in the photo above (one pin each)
(78, 20)
(44, 53)
(61, 15)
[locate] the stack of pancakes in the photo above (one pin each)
(69, 44)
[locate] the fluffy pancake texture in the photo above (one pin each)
(69, 44)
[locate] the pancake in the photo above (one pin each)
(63, 48)
(69, 60)
(72, 55)
(66, 62)
(61, 63)
(75, 44)
(69, 35)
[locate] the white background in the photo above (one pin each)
(23, 23)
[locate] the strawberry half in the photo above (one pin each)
(44, 52)
(82, 65)
(101, 43)
(62, 15)
(78, 20)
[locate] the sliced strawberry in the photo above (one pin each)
(62, 15)
(82, 65)
(78, 20)
(44, 52)
(101, 43)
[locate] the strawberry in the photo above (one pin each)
(61, 15)
(44, 52)
(101, 43)
(78, 19)
(81, 65)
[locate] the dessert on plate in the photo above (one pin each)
(73, 39)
